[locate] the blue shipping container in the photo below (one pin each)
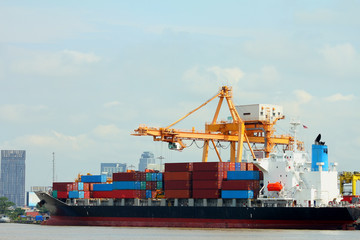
(74, 194)
(243, 175)
(126, 185)
(159, 177)
(237, 166)
(153, 177)
(239, 194)
(148, 194)
(80, 186)
(81, 194)
(93, 178)
(102, 187)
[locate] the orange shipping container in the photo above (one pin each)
(177, 176)
(178, 193)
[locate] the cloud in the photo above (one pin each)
(318, 16)
(303, 96)
(112, 104)
(21, 113)
(107, 131)
(53, 64)
(339, 97)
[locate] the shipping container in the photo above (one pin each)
(62, 194)
(127, 185)
(126, 176)
(178, 167)
(159, 185)
(148, 176)
(240, 185)
(159, 177)
(251, 167)
(74, 194)
(87, 194)
(69, 187)
(93, 178)
(208, 175)
(238, 194)
(142, 185)
(243, 175)
(142, 194)
(80, 186)
(126, 193)
(177, 176)
(178, 185)
(60, 186)
(206, 193)
(55, 193)
(102, 187)
(142, 176)
(75, 186)
(148, 194)
(206, 184)
(102, 194)
(209, 166)
(178, 194)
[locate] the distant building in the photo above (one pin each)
(146, 159)
(110, 168)
(13, 176)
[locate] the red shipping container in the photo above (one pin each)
(231, 166)
(142, 176)
(178, 167)
(151, 185)
(243, 166)
(86, 194)
(177, 176)
(208, 175)
(86, 187)
(102, 194)
(208, 193)
(142, 194)
(177, 185)
(178, 193)
(75, 186)
(251, 167)
(60, 186)
(126, 193)
(240, 185)
(207, 184)
(62, 194)
(69, 187)
(209, 166)
(126, 176)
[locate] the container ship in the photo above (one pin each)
(279, 189)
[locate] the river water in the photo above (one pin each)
(12, 231)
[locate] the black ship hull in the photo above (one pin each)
(200, 217)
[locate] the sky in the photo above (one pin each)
(77, 77)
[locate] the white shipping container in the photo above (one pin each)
(260, 112)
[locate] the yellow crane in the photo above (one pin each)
(349, 177)
(234, 132)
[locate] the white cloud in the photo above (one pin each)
(322, 16)
(20, 113)
(62, 63)
(303, 96)
(112, 104)
(107, 131)
(339, 97)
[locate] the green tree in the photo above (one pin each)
(42, 209)
(16, 213)
(4, 205)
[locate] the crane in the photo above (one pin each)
(235, 132)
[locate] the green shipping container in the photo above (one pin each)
(159, 185)
(54, 194)
(148, 177)
(142, 185)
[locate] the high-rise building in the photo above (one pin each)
(110, 168)
(146, 159)
(13, 176)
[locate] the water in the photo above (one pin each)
(12, 231)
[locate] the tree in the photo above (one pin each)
(16, 213)
(4, 205)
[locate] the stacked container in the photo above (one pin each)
(241, 184)
(178, 180)
(207, 178)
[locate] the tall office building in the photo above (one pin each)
(110, 168)
(146, 159)
(13, 176)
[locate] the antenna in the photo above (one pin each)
(53, 167)
(295, 124)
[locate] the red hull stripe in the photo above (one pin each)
(193, 223)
